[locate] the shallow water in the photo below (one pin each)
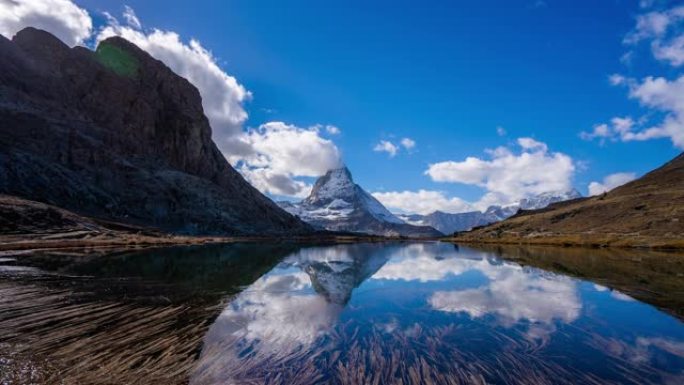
(410, 313)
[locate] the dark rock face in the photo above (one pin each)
(116, 134)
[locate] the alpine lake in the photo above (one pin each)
(367, 313)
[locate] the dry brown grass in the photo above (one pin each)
(65, 338)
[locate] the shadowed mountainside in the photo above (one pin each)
(116, 134)
(646, 212)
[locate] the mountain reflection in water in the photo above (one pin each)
(431, 313)
(380, 313)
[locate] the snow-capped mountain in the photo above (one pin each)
(449, 223)
(337, 203)
(542, 200)
(446, 222)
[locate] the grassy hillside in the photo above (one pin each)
(648, 212)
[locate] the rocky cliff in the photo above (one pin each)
(115, 134)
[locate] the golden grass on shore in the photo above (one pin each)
(581, 239)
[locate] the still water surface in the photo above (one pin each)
(390, 313)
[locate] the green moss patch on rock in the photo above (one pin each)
(117, 60)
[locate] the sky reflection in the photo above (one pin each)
(324, 306)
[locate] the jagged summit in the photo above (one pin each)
(335, 184)
(337, 203)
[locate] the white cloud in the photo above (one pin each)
(507, 176)
(64, 19)
(277, 315)
(652, 92)
(393, 149)
(531, 144)
(417, 262)
(513, 296)
(131, 18)
(500, 131)
(664, 30)
(422, 202)
(618, 128)
(408, 143)
(610, 182)
(386, 146)
(332, 130)
(276, 153)
(222, 95)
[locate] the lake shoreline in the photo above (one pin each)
(77, 240)
(63, 241)
(598, 241)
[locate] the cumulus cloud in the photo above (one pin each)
(388, 147)
(618, 128)
(610, 182)
(531, 144)
(509, 176)
(62, 18)
(422, 202)
(408, 143)
(393, 149)
(276, 153)
(657, 93)
(664, 30)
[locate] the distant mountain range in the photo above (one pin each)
(115, 134)
(448, 223)
(337, 203)
(648, 211)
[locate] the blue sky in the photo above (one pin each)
(445, 74)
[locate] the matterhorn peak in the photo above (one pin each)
(337, 203)
(337, 183)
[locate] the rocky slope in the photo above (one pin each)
(449, 223)
(116, 134)
(337, 203)
(646, 212)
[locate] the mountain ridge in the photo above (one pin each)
(78, 128)
(449, 223)
(336, 203)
